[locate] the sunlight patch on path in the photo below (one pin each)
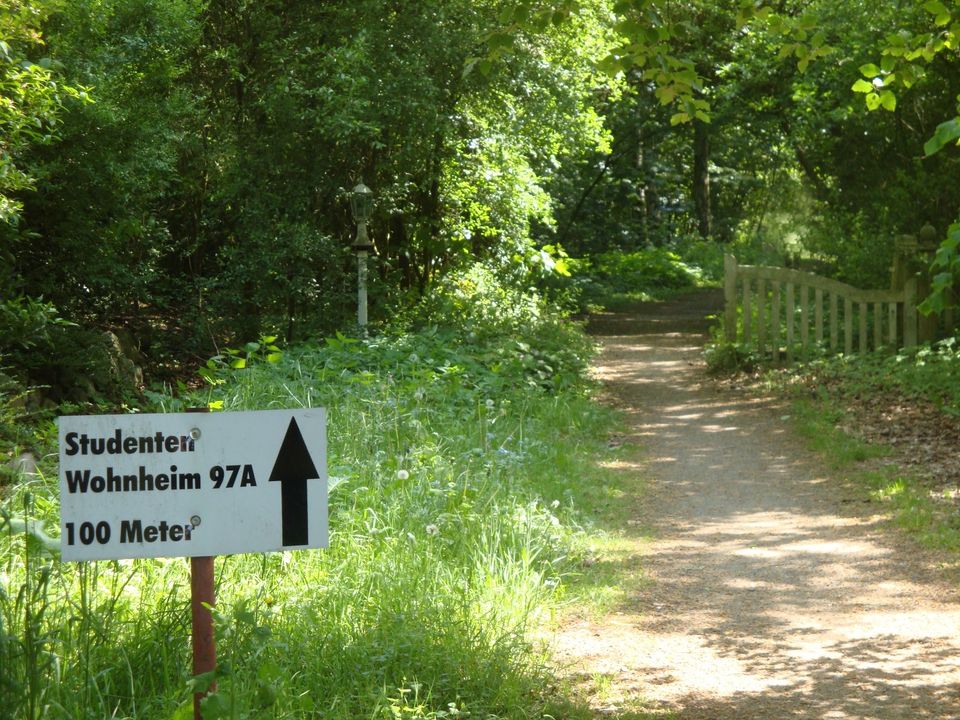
(774, 590)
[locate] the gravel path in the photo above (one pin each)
(774, 591)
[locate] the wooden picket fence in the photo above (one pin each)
(778, 317)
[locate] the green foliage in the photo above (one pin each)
(727, 358)
(930, 373)
(50, 357)
(218, 368)
(26, 324)
(945, 269)
(457, 457)
(210, 169)
(616, 277)
(30, 98)
(652, 268)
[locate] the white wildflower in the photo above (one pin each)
(403, 475)
(555, 504)
(432, 530)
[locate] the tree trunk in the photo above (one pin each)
(701, 178)
(649, 202)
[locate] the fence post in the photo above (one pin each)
(910, 312)
(730, 298)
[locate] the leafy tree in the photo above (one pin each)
(30, 103)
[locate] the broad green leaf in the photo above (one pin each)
(274, 357)
(216, 706)
(202, 682)
(666, 95)
(238, 364)
(862, 86)
(945, 132)
(678, 118)
(908, 76)
(869, 70)
(943, 280)
(934, 7)
(873, 101)
(943, 18)
(809, 21)
(786, 51)
(34, 530)
(610, 65)
(888, 101)
(500, 40)
(888, 63)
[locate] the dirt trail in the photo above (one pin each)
(774, 591)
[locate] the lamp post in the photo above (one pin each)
(361, 204)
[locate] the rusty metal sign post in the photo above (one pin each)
(202, 598)
(193, 485)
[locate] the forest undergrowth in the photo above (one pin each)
(458, 460)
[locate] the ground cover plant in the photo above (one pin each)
(455, 456)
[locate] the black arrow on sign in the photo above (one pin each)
(292, 469)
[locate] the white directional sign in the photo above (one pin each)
(192, 484)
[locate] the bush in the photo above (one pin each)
(508, 334)
(64, 360)
(724, 357)
(651, 269)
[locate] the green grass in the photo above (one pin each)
(463, 475)
(818, 423)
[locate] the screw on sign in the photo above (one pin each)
(193, 485)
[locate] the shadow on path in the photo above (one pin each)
(774, 591)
